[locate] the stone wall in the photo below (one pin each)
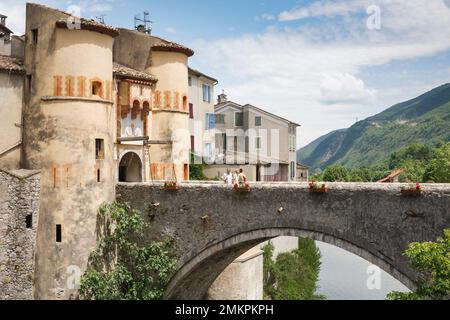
(19, 213)
(212, 225)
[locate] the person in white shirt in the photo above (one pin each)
(228, 177)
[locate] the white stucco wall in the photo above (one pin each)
(11, 86)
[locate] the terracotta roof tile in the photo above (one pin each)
(91, 25)
(126, 72)
(11, 64)
(86, 24)
(161, 44)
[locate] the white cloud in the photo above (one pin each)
(265, 17)
(15, 9)
(171, 30)
(322, 8)
(313, 73)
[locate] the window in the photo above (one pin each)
(258, 143)
(210, 121)
(29, 221)
(190, 81)
(258, 121)
(220, 118)
(96, 88)
(58, 233)
(99, 149)
(238, 119)
(206, 93)
(207, 150)
(191, 111)
(292, 170)
(192, 144)
(35, 36)
(98, 175)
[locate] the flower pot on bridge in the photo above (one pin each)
(315, 187)
(242, 188)
(171, 185)
(412, 191)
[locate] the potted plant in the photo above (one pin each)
(315, 187)
(170, 185)
(412, 191)
(242, 188)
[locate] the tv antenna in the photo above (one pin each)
(101, 18)
(143, 25)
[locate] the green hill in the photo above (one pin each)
(425, 119)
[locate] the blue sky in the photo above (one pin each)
(314, 62)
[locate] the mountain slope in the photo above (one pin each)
(425, 119)
(305, 152)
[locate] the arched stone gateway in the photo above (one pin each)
(213, 225)
(130, 168)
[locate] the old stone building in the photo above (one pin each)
(83, 106)
(261, 143)
(88, 105)
(201, 115)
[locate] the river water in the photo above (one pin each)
(344, 276)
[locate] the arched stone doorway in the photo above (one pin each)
(130, 168)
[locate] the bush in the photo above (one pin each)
(121, 268)
(336, 173)
(432, 262)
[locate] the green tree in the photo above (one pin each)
(364, 174)
(268, 267)
(439, 168)
(432, 262)
(414, 159)
(336, 173)
(196, 170)
(293, 275)
(121, 268)
(414, 152)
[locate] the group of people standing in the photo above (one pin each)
(235, 178)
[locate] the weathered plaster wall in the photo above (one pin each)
(169, 116)
(371, 220)
(59, 139)
(241, 280)
(19, 198)
(11, 86)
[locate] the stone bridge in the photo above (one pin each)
(212, 225)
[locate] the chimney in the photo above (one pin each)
(222, 98)
(3, 20)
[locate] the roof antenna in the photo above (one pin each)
(101, 18)
(143, 25)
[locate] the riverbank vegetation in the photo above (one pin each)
(431, 260)
(292, 275)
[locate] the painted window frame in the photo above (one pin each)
(238, 112)
(256, 121)
(260, 147)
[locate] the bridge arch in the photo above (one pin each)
(203, 270)
(211, 225)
